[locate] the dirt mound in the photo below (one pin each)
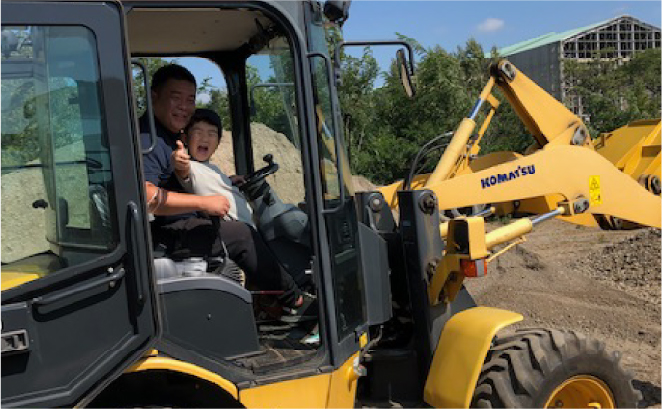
(288, 181)
(632, 264)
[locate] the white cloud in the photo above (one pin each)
(491, 24)
(203, 98)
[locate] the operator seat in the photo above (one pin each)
(207, 313)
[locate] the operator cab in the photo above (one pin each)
(261, 111)
(80, 247)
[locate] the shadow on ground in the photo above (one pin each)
(651, 393)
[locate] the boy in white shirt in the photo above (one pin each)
(201, 177)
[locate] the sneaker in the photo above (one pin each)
(307, 311)
(313, 337)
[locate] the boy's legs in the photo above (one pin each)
(247, 248)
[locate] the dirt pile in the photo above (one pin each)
(288, 181)
(632, 264)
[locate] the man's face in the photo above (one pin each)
(203, 139)
(174, 104)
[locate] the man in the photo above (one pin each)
(180, 226)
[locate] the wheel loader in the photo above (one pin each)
(94, 315)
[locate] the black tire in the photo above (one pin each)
(522, 370)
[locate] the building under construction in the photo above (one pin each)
(541, 58)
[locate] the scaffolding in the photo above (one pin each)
(616, 40)
(542, 58)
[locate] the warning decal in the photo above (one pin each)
(594, 190)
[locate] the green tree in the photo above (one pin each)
(151, 66)
(614, 92)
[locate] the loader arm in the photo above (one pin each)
(570, 171)
(546, 118)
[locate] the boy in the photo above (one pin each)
(203, 135)
(198, 176)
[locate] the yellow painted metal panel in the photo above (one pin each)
(164, 363)
(342, 390)
(310, 392)
(331, 390)
(12, 279)
(460, 354)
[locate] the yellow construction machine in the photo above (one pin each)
(616, 177)
(94, 315)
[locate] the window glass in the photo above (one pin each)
(57, 187)
(341, 223)
(274, 121)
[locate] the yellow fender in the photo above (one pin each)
(460, 354)
(164, 363)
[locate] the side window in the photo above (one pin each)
(274, 122)
(341, 220)
(57, 186)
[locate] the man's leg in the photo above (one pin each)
(247, 248)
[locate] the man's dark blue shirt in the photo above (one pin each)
(157, 167)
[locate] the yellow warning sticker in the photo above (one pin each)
(594, 190)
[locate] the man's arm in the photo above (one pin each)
(166, 203)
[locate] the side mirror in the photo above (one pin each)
(406, 66)
(405, 73)
(337, 11)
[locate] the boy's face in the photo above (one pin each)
(203, 139)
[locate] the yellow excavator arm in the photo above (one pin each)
(563, 166)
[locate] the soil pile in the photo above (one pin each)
(288, 181)
(632, 264)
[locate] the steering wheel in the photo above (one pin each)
(256, 178)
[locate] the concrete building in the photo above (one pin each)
(541, 58)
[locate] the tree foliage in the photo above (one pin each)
(385, 129)
(615, 92)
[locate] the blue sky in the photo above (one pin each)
(500, 23)
(451, 23)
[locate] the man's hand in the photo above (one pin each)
(214, 205)
(181, 160)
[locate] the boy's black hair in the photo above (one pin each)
(206, 115)
(171, 71)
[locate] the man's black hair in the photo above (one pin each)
(171, 72)
(206, 115)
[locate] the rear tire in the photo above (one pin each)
(528, 369)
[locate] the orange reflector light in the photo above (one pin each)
(473, 268)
